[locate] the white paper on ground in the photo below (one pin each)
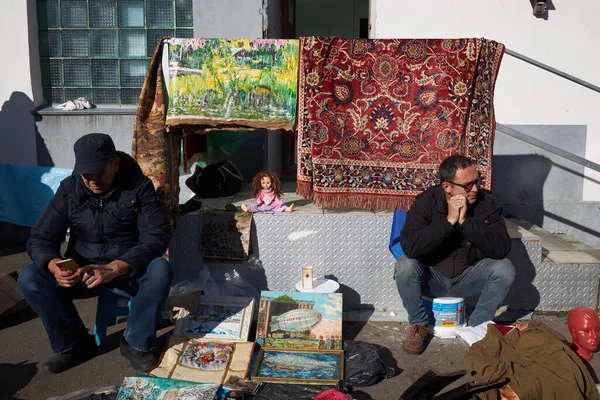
(472, 334)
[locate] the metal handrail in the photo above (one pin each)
(553, 70)
(540, 143)
(548, 147)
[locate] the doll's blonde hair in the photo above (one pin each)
(275, 183)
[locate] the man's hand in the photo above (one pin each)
(457, 208)
(463, 212)
(95, 275)
(65, 278)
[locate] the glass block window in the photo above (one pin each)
(101, 49)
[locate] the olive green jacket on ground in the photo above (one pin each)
(538, 365)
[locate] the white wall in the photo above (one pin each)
(525, 95)
(17, 91)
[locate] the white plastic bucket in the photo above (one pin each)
(445, 315)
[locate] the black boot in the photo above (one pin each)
(83, 350)
(141, 361)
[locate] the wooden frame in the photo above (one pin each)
(231, 323)
(310, 358)
(170, 366)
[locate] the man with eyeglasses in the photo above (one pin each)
(455, 243)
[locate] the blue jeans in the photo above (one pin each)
(54, 304)
(491, 278)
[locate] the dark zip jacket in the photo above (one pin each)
(126, 223)
(429, 237)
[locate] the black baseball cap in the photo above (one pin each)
(92, 153)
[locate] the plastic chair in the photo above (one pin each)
(110, 307)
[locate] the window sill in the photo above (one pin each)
(99, 110)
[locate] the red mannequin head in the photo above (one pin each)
(584, 326)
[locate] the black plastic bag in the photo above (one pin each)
(364, 365)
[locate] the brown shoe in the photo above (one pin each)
(415, 341)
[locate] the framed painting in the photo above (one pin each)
(208, 362)
(146, 387)
(250, 83)
(217, 319)
(299, 321)
(322, 367)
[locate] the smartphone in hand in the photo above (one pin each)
(67, 265)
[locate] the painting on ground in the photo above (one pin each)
(288, 366)
(150, 388)
(297, 320)
(243, 83)
(217, 318)
(198, 361)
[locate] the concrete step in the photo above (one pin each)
(566, 276)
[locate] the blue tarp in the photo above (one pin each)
(397, 224)
(26, 190)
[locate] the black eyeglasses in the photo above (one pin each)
(469, 185)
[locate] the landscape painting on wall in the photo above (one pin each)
(136, 388)
(317, 367)
(300, 320)
(249, 83)
(216, 318)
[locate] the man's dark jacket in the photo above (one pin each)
(127, 223)
(429, 237)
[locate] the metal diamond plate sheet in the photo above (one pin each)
(349, 248)
(353, 249)
(564, 286)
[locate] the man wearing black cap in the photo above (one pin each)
(118, 233)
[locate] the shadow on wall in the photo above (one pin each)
(521, 179)
(221, 277)
(15, 122)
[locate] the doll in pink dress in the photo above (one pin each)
(266, 189)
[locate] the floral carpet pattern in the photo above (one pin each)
(377, 116)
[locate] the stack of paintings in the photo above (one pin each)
(210, 342)
(300, 335)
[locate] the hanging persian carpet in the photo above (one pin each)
(235, 84)
(150, 140)
(377, 116)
